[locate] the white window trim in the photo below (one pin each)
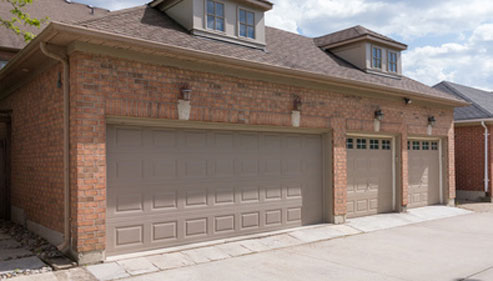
(381, 68)
(206, 27)
(238, 24)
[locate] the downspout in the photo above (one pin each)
(486, 178)
(61, 56)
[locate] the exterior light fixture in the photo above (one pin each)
(408, 101)
(379, 115)
(297, 104)
(431, 121)
(186, 92)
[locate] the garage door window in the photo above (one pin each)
(385, 144)
(361, 143)
(434, 145)
(415, 145)
(425, 145)
(374, 144)
(349, 143)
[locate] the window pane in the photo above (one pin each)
(220, 24)
(210, 22)
(219, 9)
(349, 144)
(242, 16)
(361, 143)
(416, 145)
(210, 7)
(251, 32)
(374, 144)
(250, 18)
(426, 145)
(243, 30)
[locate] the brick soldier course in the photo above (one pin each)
(141, 82)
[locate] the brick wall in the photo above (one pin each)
(37, 149)
(109, 86)
(469, 155)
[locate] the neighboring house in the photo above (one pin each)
(187, 121)
(54, 10)
(473, 151)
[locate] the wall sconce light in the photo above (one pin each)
(297, 103)
(379, 115)
(408, 101)
(186, 92)
(431, 121)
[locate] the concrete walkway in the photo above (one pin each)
(275, 256)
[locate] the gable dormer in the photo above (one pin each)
(365, 49)
(235, 21)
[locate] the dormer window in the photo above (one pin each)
(215, 15)
(392, 62)
(377, 58)
(247, 24)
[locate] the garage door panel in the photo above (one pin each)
(187, 188)
(369, 176)
(423, 176)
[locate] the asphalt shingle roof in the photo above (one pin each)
(283, 48)
(56, 10)
(482, 101)
(349, 34)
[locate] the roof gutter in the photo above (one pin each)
(229, 61)
(61, 56)
(474, 121)
(486, 178)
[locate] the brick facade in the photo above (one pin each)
(104, 86)
(469, 147)
(37, 149)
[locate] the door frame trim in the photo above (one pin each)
(440, 161)
(394, 159)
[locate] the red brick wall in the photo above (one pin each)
(109, 86)
(37, 149)
(469, 155)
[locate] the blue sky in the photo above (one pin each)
(448, 39)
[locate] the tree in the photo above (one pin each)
(20, 17)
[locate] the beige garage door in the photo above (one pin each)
(424, 174)
(168, 187)
(369, 176)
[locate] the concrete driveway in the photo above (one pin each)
(458, 248)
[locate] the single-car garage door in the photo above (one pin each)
(424, 173)
(369, 176)
(168, 187)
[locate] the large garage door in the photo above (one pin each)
(168, 187)
(424, 174)
(369, 176)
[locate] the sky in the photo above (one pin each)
(448, 39)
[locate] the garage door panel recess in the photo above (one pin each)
(424, 174)
(369, 176)
(169, 187)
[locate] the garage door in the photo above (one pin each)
(369, 176)
(168, 187)
(424, 174)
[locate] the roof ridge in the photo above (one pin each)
(450, 86)
(114, 13)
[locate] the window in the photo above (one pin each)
(3, 63)
(361, 143)
(434, 145)
(408, 145)
(215, 15)
(377, 57)
(392, 62)
(349, 144)
(385, 144)
(374, 144)
(247, 24)
(415, 145)
(425, 145)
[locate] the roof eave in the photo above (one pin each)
(55, 27)
(366, 37)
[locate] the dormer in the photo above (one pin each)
(235, 21)
(369, 51)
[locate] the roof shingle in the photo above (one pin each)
(351, 33)
(283, 49)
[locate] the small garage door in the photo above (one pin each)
(169, 187)
(424, 174)
(369, 176)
